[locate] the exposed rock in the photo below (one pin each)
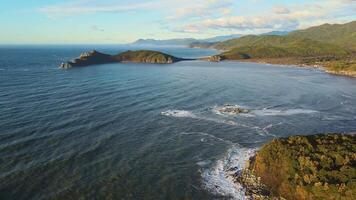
(232, 110)
(255, 190)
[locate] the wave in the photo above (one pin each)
(178, 113)
(287, 112)
(189, 114)
(219, 178)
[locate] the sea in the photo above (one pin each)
(150, 131)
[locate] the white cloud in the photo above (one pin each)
(278, 18)
(94, 6)
(281, 10)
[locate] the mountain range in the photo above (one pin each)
(190, 41)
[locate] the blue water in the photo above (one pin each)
(146, 131)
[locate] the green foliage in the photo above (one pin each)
(342, 66)
(279, 46)
(309, 167)
(343, 35)
(145, 56)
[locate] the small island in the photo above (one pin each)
(142, 56)
(311, 167)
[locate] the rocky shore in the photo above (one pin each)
(302, 168)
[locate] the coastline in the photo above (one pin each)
(294, 62)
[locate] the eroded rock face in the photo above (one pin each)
(232, 110)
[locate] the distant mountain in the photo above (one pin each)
(221, 38)
(340, 34)
(276, 33)
(170, 42)
(183, 41)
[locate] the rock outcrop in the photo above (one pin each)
(143, 56)
(232, 110)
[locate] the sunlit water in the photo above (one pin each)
(136, 131)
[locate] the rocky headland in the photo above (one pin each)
(315, 167)
(142, 56)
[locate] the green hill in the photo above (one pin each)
(146, 56)
(276, 47)
(343, 35)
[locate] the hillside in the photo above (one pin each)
(277, 46)
(146, 56)
(343, 35)
(314, 167)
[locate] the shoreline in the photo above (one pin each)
(293, 62)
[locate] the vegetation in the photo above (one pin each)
(309, 167)
(145, 56)
(343, 35)
(343, 67)
(281, 46)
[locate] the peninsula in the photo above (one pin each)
(142, 56)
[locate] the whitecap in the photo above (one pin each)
(287, 112)
(189, 114)
(219, 178)
(178, 113)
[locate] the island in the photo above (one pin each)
(141, 56)
(311, 167)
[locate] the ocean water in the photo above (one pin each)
(146, 131)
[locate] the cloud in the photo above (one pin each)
(96, 28)
(201, 9)
(94, 6)
(281, 10)
(278, 18)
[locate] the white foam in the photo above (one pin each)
(178, 113)
(287, 112)
(189, 114)
(218, 179)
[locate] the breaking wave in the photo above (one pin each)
(178, 113)
(219, 178)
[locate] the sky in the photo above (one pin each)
(124, 21)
